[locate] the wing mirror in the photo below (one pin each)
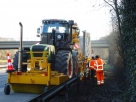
(71, 22)
(78, 30)
(38, 32)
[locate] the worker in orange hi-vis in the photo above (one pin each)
(92, 67)
(99, 70)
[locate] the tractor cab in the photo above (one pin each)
(58, 26)
(55, 32)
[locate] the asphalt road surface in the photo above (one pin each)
(12, 97)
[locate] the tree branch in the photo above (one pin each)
(110, 4)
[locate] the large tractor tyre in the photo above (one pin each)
(24, 59)
(64, 63)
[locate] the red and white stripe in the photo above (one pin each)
(76, 46)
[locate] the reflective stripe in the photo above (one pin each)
(99, 65)
(92, 66)
(98, 82)
(9, 64)
(89, 65)
(92, 62)
(102, 81)
(98, 69)
(76, 46)
(8, 57)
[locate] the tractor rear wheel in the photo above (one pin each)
(24, 59)
(64, 63)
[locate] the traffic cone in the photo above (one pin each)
(10, 66)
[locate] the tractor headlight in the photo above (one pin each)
(59, 37)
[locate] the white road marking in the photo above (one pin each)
(3, 77)
(1, 89)
(3, 80)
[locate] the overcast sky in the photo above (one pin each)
(90, 15)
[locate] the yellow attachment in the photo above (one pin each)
(27, 88)
(35, 63)
(80, 55)
(38, 77)
(34, 84)
(82, 61)
(35, 81)
(76, 40)
(75, 35)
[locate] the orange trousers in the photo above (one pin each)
(100, 77)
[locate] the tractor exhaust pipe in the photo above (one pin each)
(71, 32)
(20, 51)
(71, 23)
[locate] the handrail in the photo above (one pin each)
(18, 39)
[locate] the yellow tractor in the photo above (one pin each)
(49, 63)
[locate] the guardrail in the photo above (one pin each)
(18, 39)
(15, 44)
(47, 96)
(50, 94)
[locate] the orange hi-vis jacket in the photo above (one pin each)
(99, 64)
(92, 64)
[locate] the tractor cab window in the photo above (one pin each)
(57, 26)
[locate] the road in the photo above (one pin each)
(3, 66)
(13, 97)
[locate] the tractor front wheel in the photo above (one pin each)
(24, 59)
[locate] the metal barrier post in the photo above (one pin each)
(84, 77)
(89, 74)
(78, 79)
(66, 92)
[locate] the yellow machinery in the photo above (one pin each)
(82, 60)
(53, 61)
(37, 78)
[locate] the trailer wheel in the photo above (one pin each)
(75, 65)
(64, 63)
(7, 89)
(24, 59)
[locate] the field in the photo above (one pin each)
(3, 62)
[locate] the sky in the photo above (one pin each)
(91, 15)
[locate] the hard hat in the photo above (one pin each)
(92, 55)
